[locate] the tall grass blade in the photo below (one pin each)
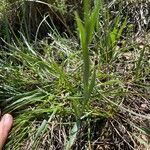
(92, 83)
(92, 21)
(81, 29)
(86, 6)
(43, 128)
(85, 51)
(139, 62)
(27, 44)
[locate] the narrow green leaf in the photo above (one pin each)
(85, 51)
(27, 44)
(81, 30)
(92, 21)
(76, 106)
(139, 62)
(86, 6)
(113, 36)
(122, 28)
(92, 84)
(43, 128)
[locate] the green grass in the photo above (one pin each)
(74, 92)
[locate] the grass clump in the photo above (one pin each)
(81, 91)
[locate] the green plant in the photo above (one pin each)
(62, 93)
(86, 32)
(110, 35)
(139, 62)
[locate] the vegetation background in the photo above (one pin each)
(75, 74)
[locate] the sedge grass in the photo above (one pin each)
(59, 97)
(86, 32)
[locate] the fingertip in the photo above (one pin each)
(7, 120)
(5, 126)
